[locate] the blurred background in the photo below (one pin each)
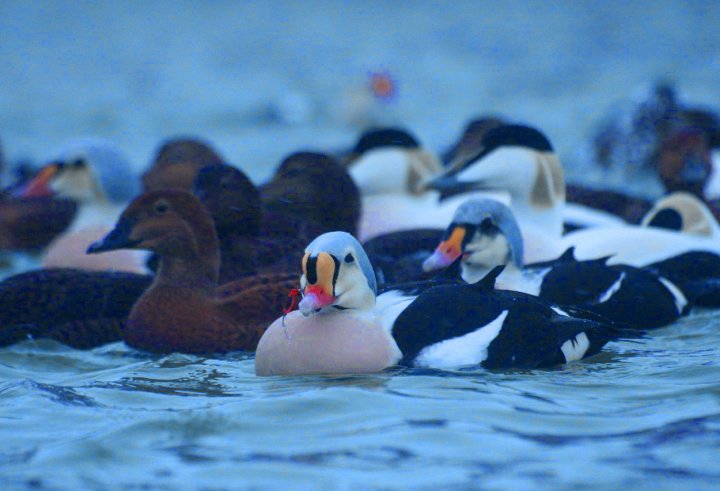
(262, 79)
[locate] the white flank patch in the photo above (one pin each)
(575, 348)
(559, 311)
(613, 289)
(680, 300)
(390, 305)
(469, 349)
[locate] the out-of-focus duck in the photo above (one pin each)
(484, 234)
(389, 167)
(696, 272)
(95, 175)
(310, 193)
(246, 245)
(177, 162)
(342, 327)
(184, 309)
(470, 142)
(83, 309)
(520, 161)
(30, 223)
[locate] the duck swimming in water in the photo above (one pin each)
(484, 234)
(95, 175)
(185, 310)
(342, 327)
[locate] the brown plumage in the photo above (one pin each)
(32, 223)
(247, 246)
(312, 193)
(184, 310)
(82, 309)
(177, 162)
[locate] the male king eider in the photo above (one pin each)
(485, 234)
(341, 326)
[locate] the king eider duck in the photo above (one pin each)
(342, 327)
(484, 234)
(98, 177)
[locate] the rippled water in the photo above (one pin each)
(643, 414)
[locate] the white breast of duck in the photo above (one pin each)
(339, 328)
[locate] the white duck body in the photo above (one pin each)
(389, 179)
(640, 246)
(635, 246)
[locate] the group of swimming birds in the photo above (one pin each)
(459, 261)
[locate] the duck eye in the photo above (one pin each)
(78, 163)
(349, 258)
(161, 207)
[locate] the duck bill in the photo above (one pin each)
(450, 186)
(38, 186)
(447, 252)
(118, 238)
(315, 298)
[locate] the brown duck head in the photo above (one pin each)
(684, 162)
(232, 199)
(174, 225)
(314, 188)
(177, 162)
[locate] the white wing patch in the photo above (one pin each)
(390, 305)
(613, 289)
(469, 349)
(575, 348)
(559, 311)
(680, 300)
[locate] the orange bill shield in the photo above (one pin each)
(39, 186)
(320, 272)
(447, 252)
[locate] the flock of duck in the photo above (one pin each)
(387, 255)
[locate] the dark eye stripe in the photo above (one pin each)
(311, 274)
(336, 272)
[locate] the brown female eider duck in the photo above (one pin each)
(246, 245)
(312, 192)
(184, 310)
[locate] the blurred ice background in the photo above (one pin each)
(262, 79)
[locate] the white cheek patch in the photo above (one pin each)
(614, 288)
(381, 171)
(575, 348)
(390, 305)
(470, 349)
